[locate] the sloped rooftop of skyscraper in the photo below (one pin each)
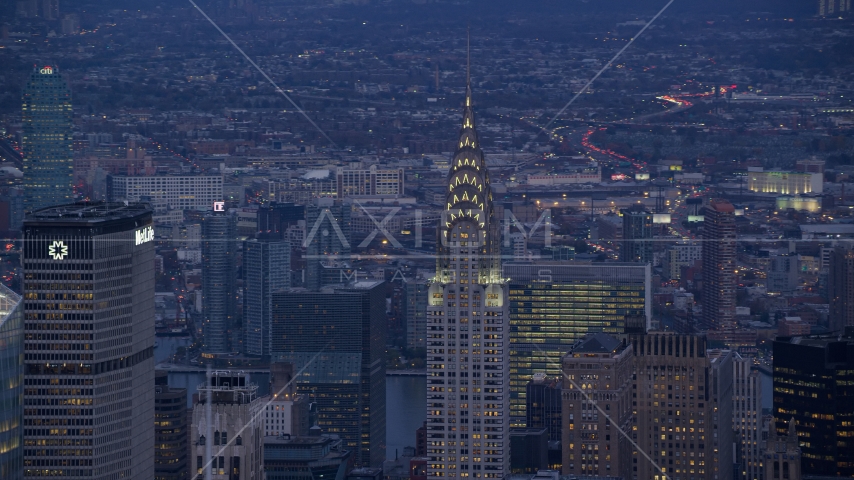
(89, 211)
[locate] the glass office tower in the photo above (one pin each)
(11, 386)
(219, 265)
(266, 269)
(336, 339)
(46, 125)
(637, 236)
(555, 304)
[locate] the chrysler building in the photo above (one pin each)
(468, 332)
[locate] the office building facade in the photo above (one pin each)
(328, 228)
(336, 339)
(468, 340)
(173, 192)
(415, 294)
(747, 417)
(528, 450)
(782, 454)
(285, 410)
(226, 438)
(719, 266)
(275, 218)
(840, 288)
(723, 438)
(219, 269)
(89, 341)
(12, 378)
(320, 457)
(782, 274)
(171, 431)
(786, 183)
(678, 257)
(597, 407)
(46, 139)
(266, 269)
(555, 304)
(371, 181)
(814, 385)
(637, 236)
(544, 407)
(678, 399)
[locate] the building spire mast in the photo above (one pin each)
(468, 58)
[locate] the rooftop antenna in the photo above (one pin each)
(468, 56)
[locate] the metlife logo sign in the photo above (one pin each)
(145, 235)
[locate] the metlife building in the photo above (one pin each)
(89, 341)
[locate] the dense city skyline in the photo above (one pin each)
(412, 239)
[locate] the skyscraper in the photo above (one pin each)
(88, 273)
(596, 397)
(12, 389)
(219, 268)
(840, 288)
(747, 417)
(415, 311)
(171, 431)
(814, 384)
(285, 411)
(555, 304)
(327, 242)
(719, 265)
(266, 269)
(544, 405)
(277, 217)
(723, 440)
(226, 435)
(637, 236)
(681, 400)
(468, 340)
(782, 453)
(46, 118)
(336, 338)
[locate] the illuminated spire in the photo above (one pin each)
(469, 198)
